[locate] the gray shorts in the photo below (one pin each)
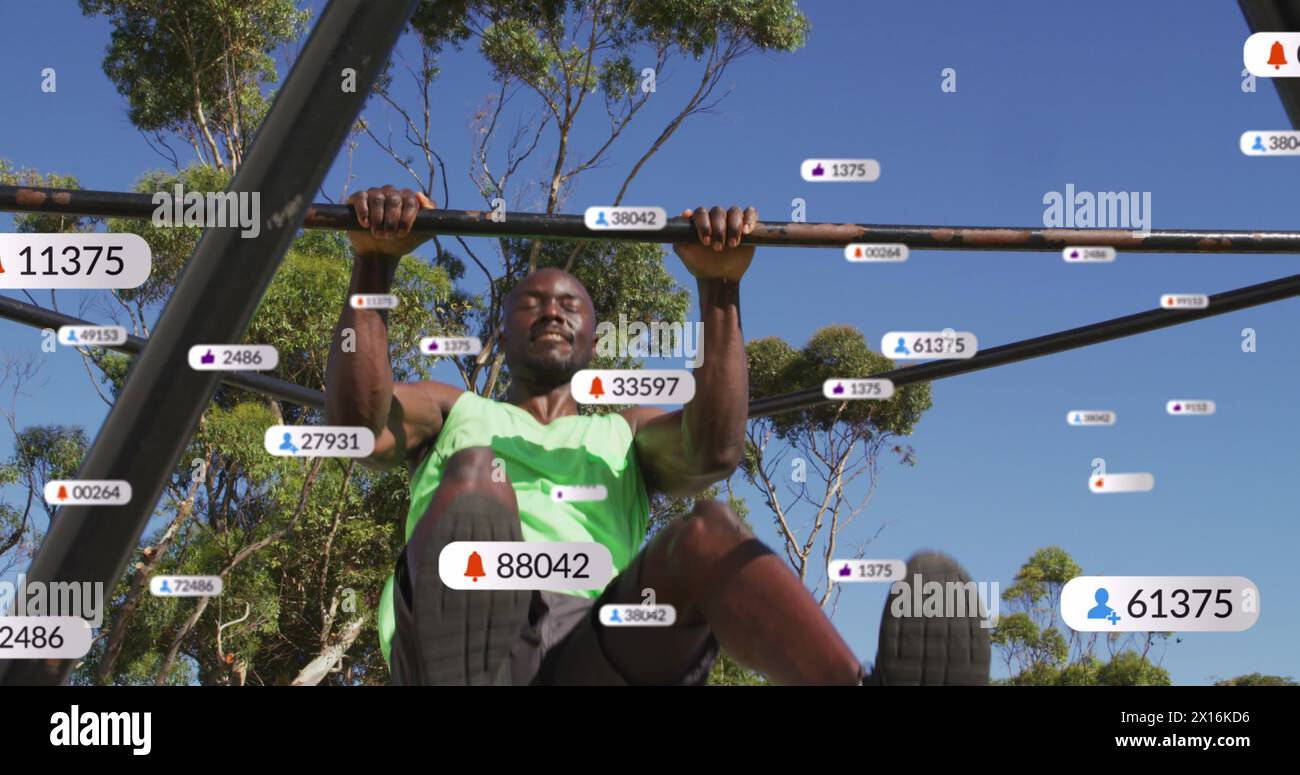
(562, 643)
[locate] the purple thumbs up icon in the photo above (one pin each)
(818, 171)
(208, 357)
(845, 570)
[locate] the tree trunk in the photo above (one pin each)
(139, 583)
(318, 668)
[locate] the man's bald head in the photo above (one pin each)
(549, 328)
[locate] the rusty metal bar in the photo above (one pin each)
(479, 223)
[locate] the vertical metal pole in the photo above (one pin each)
(150, 424)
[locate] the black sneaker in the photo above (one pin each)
(916, 650)
(465, 636)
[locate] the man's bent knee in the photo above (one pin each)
(712, 527)
(711, 532)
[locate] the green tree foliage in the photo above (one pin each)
(806, 462)
(41, 453)
(1038, 652)
(197, 69)
(1258, 679)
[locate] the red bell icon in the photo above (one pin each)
(1276, 57)
(474, 569)
(63, 493)
(597, 390)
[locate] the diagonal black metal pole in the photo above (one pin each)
(1074, 338)
(148, 427)
(479, 223)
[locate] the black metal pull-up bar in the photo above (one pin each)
(480, 223)
(1048, 344)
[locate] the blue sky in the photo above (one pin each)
(1107, 96)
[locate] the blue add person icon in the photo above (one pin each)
(1101, 610)
(288, 443)
(600, 219)
(902, 347)
(1259, 143)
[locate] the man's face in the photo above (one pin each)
(550, 328)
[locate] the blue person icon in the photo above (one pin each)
(902, 347)
(288, 444)
(1101, 610)
(165, 588)
(613, 617)
(1259, 143)
(600, 219)
(72, 335)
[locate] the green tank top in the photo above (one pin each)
(570, 450)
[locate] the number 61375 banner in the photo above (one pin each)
(1160, 603)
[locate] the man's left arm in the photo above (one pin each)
(683, 452)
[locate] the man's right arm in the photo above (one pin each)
(359, 382)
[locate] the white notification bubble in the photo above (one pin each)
(1139, 482)
(1190, 407)
(840, 170)
(1090, 417)
(91, 336)
(1160, 603)
(1184, 301)
(319, 441)
(1270, 143)
(88, 492)
(862, 252)
(233, 357)
(636, 615)
(185, 586)
(450, 345)
(44, 637)
(850, 571)
(96, 260)
(633, 386)
(1085, 254)
(579, 492)
(625, 218)
(857, 389)
(525, 565)
(1272, 54)
(929, 345)
(373, 301)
